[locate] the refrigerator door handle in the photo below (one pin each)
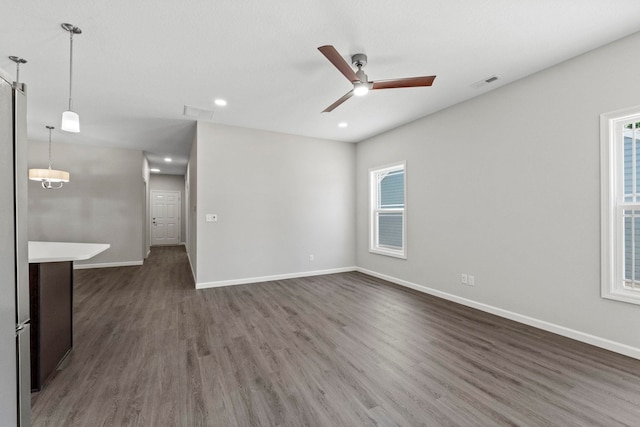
(21, 326)
(20, 205)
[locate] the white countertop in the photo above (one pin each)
(64, 251)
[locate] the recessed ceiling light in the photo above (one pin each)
(168, 159)
(220, 102)
(343, 124)
(154, 170)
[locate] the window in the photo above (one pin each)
(620, 175)
(388, 229)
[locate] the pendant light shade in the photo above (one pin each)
(71, 119)
(51, 179)
(48, 175)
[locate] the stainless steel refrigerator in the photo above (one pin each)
(15, 381)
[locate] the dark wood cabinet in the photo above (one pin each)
(51, 305)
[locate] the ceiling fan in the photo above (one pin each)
(361, 84)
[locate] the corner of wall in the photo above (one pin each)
(191, 208)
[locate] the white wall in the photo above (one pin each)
(163, 182)
(279, 198)
(103, 202)
(506, 187)
(146, 176)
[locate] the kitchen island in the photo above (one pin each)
(51, 303)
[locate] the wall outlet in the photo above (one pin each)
(472, 281)
(464, 279)
(212, 217)
(311, 257)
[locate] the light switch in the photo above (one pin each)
(212, 217)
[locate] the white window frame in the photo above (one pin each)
(374, 246)
(613, 205)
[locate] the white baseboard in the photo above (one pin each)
(204, 285)
(536, 323)
(106, 265)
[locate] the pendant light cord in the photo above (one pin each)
(50, 129)
(18, 61)
(49, 150)
(70, 68)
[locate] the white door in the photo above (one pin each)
(165, 217)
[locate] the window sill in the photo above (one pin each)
(632, 297)
(390, 253)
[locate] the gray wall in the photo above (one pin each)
(191, 187)
(163, 182)
(279, 198)
(506, 187)
(103, 202)
(8, 362)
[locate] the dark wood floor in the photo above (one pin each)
(337, 350)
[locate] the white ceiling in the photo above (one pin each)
(137, 63)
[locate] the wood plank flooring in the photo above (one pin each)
(337, 350)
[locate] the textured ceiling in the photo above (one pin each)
(137, 63)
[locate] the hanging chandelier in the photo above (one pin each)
(51, 179)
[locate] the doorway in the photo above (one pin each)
(165, 217)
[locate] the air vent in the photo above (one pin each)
(198, 113)
(484, 82)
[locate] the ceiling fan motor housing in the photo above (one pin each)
(359, 60)
(362, 76)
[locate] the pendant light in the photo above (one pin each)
(70, 119)
(51, 179)
(18, 61)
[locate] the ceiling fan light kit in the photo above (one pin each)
(360, 89)
(360, 81)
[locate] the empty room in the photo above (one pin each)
(320, 213)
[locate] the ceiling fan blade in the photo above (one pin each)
(408, 82)
(332, 107)
(338, 61)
